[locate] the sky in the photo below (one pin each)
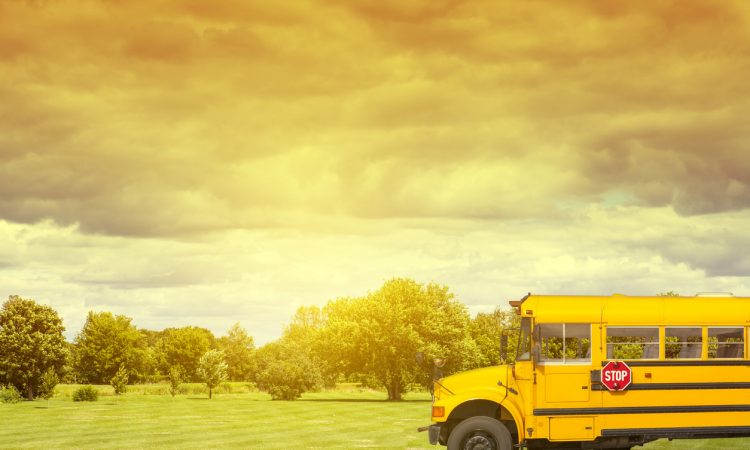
(185, 162)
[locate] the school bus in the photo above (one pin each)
(681, 371)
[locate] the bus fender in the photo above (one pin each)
(480, 402)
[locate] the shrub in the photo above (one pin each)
(9, 394)
(175, 379)
(49, 381)
(86, 394)
(120, 381)
(286, 372)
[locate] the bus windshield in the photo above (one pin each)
(524, 340)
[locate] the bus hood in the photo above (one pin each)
(456, 384)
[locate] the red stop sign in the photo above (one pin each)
(616, 376)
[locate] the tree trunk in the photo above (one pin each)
(394, 390)
(29, 393)
(210, 394)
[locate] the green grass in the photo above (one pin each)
(348, 418)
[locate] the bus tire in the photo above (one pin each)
(480, 432)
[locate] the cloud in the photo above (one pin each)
(261, 276)
(178, 118)
(190, 163)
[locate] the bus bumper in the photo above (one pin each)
(433, 433)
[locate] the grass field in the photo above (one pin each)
(347, 418)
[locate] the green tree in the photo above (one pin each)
(120, 381)
(238, 347)
(305, 324)
(148, 370)
(304, 332)
(380, 334)
(212, 369)
(286, 370)
(486, 329)
(68, 374)
(183, 348)
(105, 344)
(32, 343)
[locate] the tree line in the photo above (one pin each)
(394, 338)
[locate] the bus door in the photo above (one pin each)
(523, 368)
(562, 352)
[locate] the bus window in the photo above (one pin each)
(632, 342)
(551, 337)
(577, 342)
(565, 342)
(726, 342)
(524, 341)
(683, 342)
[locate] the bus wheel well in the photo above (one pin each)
(487, 408)
(475, 408)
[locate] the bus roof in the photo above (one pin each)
(636, 310)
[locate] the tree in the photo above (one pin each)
(148, 370)
(68, 374)
(486, 329)
(304, 332)
(212, 369)
(238, 347)
(183, 348)
(380, 334)
(105, 344)
(286, 370)
(305, 324)
(32, 343)
(120, 381)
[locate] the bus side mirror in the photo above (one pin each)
(503, 347)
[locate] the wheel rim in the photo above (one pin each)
(479, 441)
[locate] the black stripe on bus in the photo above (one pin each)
(676, 432)
(740, 362)
(675, 386)
(640, 410)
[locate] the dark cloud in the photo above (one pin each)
(178, 118)
(713, 250)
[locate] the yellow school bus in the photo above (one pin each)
(674, 367)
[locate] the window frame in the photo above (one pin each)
(525, 334)
(703, 343)
(565, 361)
(659, 342)
(743, 345)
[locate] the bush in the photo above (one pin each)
(175, 379)
(286, 371)
(9, 394)
(49, 381)
(120, 381)
(86, 394)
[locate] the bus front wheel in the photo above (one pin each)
(480, 433)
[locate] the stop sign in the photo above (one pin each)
(616, 376)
